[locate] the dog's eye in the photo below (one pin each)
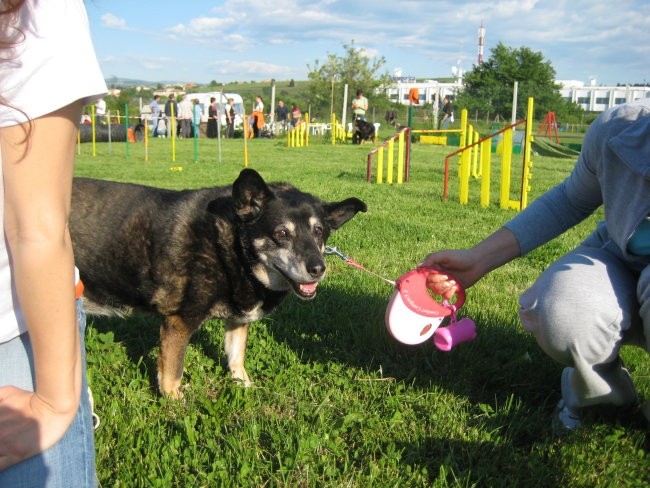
(282, 234)
(318, 231)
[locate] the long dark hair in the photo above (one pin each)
(10, 36)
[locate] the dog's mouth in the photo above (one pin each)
(306, 290)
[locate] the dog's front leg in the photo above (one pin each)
(235, 340)
(175, 335)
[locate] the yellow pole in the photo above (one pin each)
(476, 169)
(506, 164)
(172, 124)
(486, 171)
(463, 127)
(400, 158)
(389, 161)
(246, 129)
(528, 140)
(380, 165)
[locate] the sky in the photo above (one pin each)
(256, 40)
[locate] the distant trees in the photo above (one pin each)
(488, 88)
(356, 69)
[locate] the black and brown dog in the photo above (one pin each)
(363, 131)
(231, 252)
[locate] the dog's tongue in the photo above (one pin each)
(308, 289)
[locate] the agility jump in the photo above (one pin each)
(403, 162)
(483, 148)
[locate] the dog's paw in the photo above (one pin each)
(169, 389)
(241, 377)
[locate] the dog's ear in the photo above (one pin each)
(338, 213)
(250, 194)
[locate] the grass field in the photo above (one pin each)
(337, 402)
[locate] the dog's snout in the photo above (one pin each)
(316, 269)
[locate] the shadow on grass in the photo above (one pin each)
(348, 328)
(457, 461)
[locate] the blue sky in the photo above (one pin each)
(246, 40)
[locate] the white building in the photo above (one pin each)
(591, 98)
(594, 98)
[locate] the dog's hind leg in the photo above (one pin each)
(236, 337)
(175, 335)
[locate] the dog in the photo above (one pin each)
(232, 252)
(364, 131)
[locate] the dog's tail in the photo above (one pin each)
(104, 310)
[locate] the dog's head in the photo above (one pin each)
(285, 230)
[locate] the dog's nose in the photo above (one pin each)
(316, 270)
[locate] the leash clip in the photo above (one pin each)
(333, 250)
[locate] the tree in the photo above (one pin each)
(488, 88)
(355, 69)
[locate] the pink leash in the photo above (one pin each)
(335, 251)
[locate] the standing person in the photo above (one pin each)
(46, 433)
(359, 106)
(281, 115)
(171, 113)
(447, 113)
(185, 116)
(230, 119)
(212, 130)
(597, 297)
(100, 110)
(196, 118)
(155, 114)
(258, 116)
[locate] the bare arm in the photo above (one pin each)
(37, 180)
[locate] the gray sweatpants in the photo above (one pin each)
(582, 309)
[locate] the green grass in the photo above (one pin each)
(336, 401)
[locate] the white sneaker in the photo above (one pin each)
(565, 418)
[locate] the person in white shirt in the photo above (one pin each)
(46, 434)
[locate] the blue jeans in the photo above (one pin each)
(71, 461)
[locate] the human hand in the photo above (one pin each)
(456, 267)
(28, 425)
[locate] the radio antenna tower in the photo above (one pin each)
(481, 42)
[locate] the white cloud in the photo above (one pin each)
(113, 22)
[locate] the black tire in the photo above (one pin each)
(118, 133)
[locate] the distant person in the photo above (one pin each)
(447, 113)
(171, 113)
(154, 105)
(161, 126)
(230, 119)
(281, 116)
(185, 114)
(196, 118)
(213, 129)
(100, 110)
(296, 115)
(258, 116)
(359, 106)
